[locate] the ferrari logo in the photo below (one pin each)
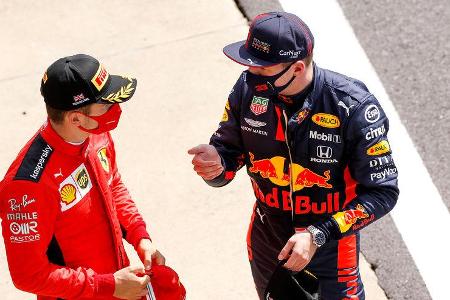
(103, 159)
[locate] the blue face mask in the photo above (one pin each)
(265, 85)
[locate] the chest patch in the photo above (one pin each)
(103, 157)
(73, 189)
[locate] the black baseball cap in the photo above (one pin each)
(273, 38)
(286, 285)
(75, 81)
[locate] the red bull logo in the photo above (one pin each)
(273, 169)
(347, 218)
(281, 199)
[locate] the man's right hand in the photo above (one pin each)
(207, 162)
(130, 286)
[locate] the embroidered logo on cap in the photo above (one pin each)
(100, 77)
(260, 45)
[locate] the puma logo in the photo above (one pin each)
(58, 174)
(347, 108)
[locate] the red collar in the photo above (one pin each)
(52, 137)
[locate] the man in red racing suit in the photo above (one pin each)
(63, 205)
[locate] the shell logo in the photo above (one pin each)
(326, 120)
(68, 193)
(379, 148)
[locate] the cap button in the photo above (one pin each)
(279, 15)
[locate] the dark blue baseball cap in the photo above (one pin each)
(273, 38)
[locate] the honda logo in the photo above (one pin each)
(324, 152)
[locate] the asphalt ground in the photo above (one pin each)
(408, 43)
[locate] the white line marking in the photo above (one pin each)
(420, 214)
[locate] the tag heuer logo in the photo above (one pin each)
(259, 105)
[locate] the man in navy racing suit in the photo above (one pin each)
(315, 146)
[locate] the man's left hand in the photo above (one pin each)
(302, 248)
(149, 254)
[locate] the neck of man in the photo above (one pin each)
(300, 83)
(70, 135)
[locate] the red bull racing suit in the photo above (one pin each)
(326, 163)
(64, 212)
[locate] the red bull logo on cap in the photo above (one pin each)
(273, 169)
(347, 218)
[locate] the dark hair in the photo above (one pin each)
(57, 115)
(308, 60)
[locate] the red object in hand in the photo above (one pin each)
(166, 284)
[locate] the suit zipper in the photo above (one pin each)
(290, 164)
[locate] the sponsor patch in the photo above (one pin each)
(103, 157)
(327, 137)
(383, 174)
(379, 148)
(73, 189)
(347, 218)
(254, 123)
(260, 45)
(35, 160)
(379, 163)
(372, 113)
(375, 132)
(274, 170)
(100, 77)
(259, 105)
(224, 116)
(326, 120)
(78, 99)
(254, 130)
(16, 205)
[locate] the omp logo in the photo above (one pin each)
(379, 148)
(68, 193)
(100, 77)
(23, 228)
(326, 120)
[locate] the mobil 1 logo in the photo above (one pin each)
(326, 137)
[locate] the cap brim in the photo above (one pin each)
(239, 54)
(120, 89)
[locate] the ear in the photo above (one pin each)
(74, 117)
(299, 68)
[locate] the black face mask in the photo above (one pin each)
(265, 85)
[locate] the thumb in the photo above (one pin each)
(144, 280)
(197, 149)
(284, 253)
(136, 269)
(147, 262)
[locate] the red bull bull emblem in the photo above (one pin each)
(273, 169)
(347, 218)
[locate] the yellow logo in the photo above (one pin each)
(380, 148)
(68, 193)
(100, 77)
(103, 159)
(347, 218)
(326, 120)
(82, 178)
(227, 105)
(224, 116)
